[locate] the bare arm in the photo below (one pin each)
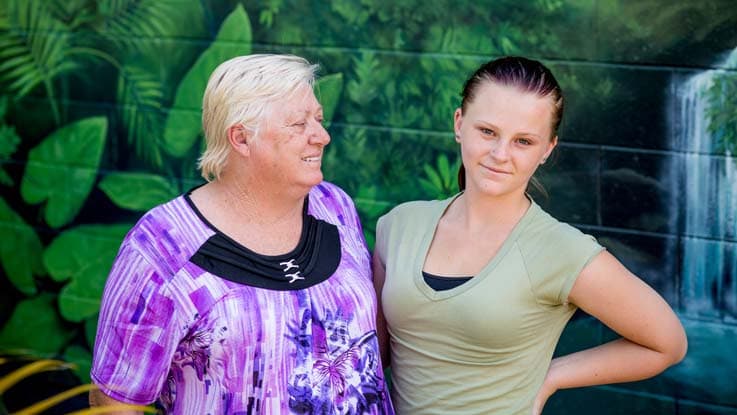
(98, 398)
(652, 336)
(381, 330)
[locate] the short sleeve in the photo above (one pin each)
(137, 331)
(557, 261)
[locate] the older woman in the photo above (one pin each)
(253, 292)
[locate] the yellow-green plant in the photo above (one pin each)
(44, 365)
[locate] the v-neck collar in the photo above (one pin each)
(429, 235)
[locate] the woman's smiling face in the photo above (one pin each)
(291, 141)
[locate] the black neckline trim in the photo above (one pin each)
(444, 277)
(443, 283)
(314, 259)
(234, 243)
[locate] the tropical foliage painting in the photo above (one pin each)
(100, 121)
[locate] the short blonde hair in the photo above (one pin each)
(238, 92)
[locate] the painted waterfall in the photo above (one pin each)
(704, 198)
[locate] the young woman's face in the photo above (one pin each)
(504, 134)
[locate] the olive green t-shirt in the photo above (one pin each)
(483, 347)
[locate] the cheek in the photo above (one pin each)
(473, 148)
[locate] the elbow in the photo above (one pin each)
(679, 347)
(682, 349)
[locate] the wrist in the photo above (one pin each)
(552, 380)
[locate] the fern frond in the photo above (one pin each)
(125, 21)
(73, 13)
(140, 95)
(33, 48)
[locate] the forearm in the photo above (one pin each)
(614, 362)
(98, 398)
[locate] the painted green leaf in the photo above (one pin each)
(368, 202)
(444, 171)
(137, 191)
(3, 106)
(9, 141)
(433, 176)
(82, 360)
(328, 90)
(83, 256)
(90, 330)
(35, 326)
(5, 178)
(62, 169)
(184, 122)
(20, 250)
(429, 187)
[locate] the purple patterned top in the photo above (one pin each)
(199, 344)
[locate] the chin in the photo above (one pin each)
(312, 180)
(490, 188)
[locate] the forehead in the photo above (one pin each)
(301, 100)
(496, 101)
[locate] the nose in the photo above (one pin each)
(499, 149)
(319, 135)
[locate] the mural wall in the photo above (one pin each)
(99, 121)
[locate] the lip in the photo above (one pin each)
(495, 170)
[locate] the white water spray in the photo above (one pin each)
(705, 187)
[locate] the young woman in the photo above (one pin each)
(476, 289)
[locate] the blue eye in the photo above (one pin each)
(524, 141)
(487, 131)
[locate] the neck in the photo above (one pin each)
(256, 202)
(479, 212)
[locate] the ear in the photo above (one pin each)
(239, 138)
(457, 121)
(551, 146)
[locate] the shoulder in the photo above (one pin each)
(331, 203)
(554, 254)
(416, 210)
(543, 230)
(402, 224)
(167, 235)
(330, 194)
(159, 222)
(408, 218)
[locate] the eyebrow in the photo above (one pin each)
(301, 113)
(524, 133)
(319, 109)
